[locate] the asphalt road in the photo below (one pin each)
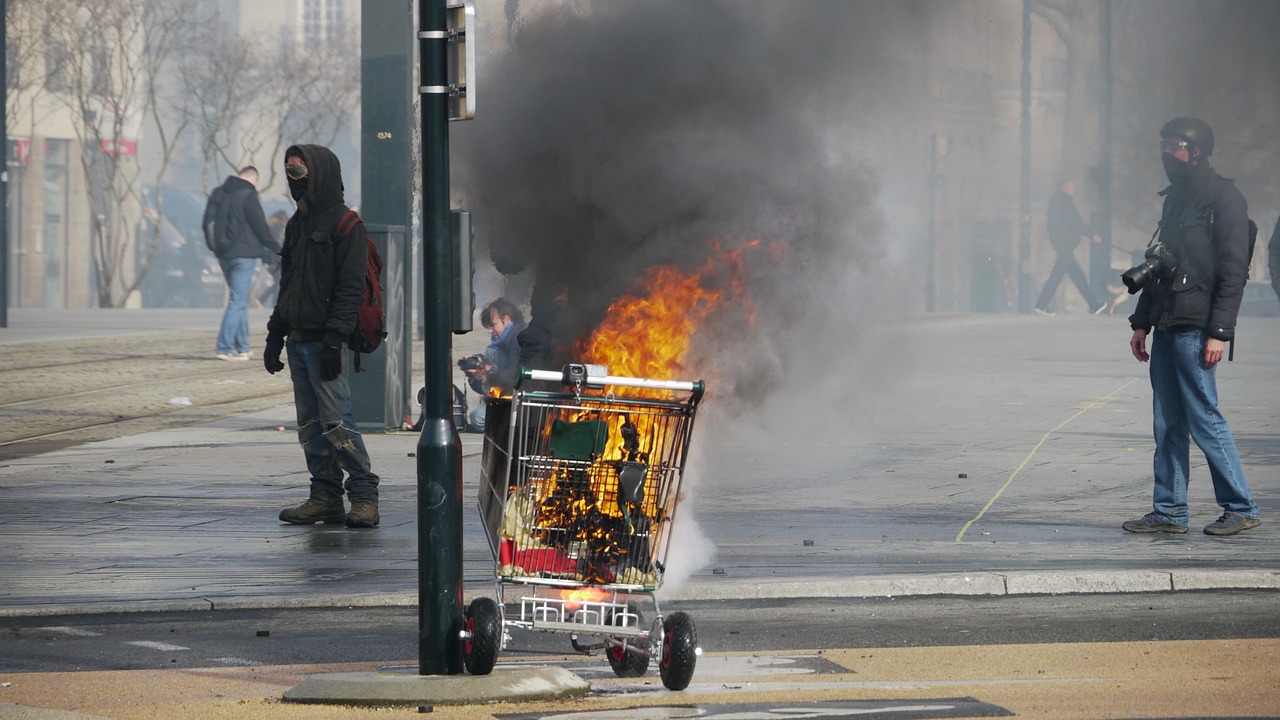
(137, 641)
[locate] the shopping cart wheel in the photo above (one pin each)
(626, 661)
(679, 651)
(484, 636)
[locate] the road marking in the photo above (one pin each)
(67, 630)
(239, 662)
(1085, 408)
(156, 645)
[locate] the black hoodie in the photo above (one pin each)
(321, 273)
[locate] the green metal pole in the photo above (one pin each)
(439, 448)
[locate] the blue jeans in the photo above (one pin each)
(1186, 406)
(234, 333)
(327, 430)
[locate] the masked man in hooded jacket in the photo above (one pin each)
(321, 284)
(1188, 306)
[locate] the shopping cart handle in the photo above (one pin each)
(692, 386)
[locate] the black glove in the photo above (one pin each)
(271, 356)
(330, 362)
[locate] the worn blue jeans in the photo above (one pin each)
(233, 336)
(1186, 408)
(327, 429)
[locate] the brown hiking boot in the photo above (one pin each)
(313, 511)
(364, 514)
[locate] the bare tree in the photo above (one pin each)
(252, 102)
(25, 20)
(312, 94)
(114, 52)
(221, 77)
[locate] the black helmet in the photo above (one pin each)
(1194, 130)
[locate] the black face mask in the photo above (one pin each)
(298, 188)
(1178, 172)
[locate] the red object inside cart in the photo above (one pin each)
(539, 560)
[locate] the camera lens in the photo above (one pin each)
(1136, 278)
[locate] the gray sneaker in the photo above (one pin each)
(1231, 523)
(364, 514)
(1149, 523)
(313, 511)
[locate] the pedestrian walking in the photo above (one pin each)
(1273, 258)
(321, 284)
(1066, 227)
(236, 231)
(1191, 294)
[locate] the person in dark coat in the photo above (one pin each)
(1065, 230)
(244, 238)
(1188, 307)
(322, 275)
(1273, 257)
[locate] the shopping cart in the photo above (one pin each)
(578, 490)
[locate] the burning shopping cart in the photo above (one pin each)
(578, 490)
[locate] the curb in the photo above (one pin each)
(985, 583)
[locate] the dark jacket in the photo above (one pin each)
(1206, 226)
(250, 235)
(1273, 257)
(321, 273)
(1065, 225)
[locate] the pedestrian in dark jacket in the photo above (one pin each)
(1189, 309)
(322, 277)
(1065, 230)
(1273, 258)
(242, 240)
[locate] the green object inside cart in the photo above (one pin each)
(580, 440)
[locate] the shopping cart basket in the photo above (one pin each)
(578, 490)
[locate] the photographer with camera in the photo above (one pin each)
(497, 367)
(1192, 285)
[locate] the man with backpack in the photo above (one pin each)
(322, 289)
(236, 231)
(1189, 306)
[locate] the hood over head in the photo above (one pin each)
(324, 178)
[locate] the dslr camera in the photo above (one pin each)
(472, 363)
(1159, 263)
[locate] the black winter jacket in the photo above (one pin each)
(321, 273)
(1064, 224)
(1206, 225)
(1273, 256)
(250, 235)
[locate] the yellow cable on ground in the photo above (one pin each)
(1088, 406)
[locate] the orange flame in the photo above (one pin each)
(575, 598)
(648, 334)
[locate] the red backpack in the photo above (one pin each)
(370, 318)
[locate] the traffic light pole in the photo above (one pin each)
(439, 448)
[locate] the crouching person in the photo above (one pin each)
(321, 286)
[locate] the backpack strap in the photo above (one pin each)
(348, 221)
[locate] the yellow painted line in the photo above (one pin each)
(1085, 407)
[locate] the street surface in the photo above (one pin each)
(938, 523)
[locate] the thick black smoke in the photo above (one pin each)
(632, 135)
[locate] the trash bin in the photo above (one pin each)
(381, 392)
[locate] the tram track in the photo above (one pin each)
(59, 393)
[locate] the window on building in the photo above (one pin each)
(100, 61)
(11, 69)
(56, 74)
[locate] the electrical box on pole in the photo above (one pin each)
(464, 269)
(461, 60)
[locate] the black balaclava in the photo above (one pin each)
(322, 188)
(1178, 172)
(298, 188)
